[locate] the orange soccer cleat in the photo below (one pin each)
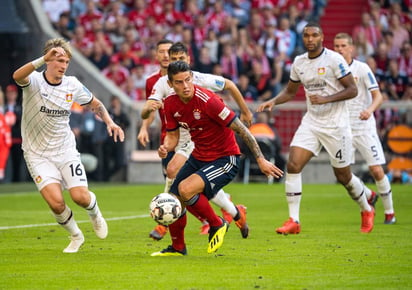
(289, 227)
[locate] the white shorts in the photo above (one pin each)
(369, 146)
(185, 148)
(65, 169)
(337, 142)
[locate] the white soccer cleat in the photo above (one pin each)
(100, 226)
(75, 243)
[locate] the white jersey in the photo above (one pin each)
(161, 90)
(46, 112)
(321, 76)
(366, 82)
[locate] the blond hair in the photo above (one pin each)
(346, 36)
(58, 42)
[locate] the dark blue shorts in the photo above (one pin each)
(215, 174)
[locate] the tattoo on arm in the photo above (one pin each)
(247, 137)
(100, 110)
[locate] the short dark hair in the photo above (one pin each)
(164, 41)
(178, 47)
(177, 67)
(314, 24)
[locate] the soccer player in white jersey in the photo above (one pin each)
(328, 82)
(363, 124)
(161, 90)
(48, 143)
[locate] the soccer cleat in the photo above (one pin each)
(204, 229)
(289, 227)
(169, 252)
(99, 226)
(158, 232)
(216, 236)
(75, 243)
(390, 219)
(241, 223)
(373, 199)
(367, 220)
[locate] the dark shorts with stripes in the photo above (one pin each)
(215, 174)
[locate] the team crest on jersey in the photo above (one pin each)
(196, 114)
(69, 98)
(38, 179)
(321, 71)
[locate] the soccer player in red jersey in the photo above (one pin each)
(214, 161)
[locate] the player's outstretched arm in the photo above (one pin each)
(149, 107)
(245, 114)
(112, 128)
(143, 135)
(284, 96)
(267, 168)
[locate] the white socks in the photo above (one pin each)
(168, 184)
(222, 200)
(66, 220)
(93, 209)
(293, 189)
(385, 193)
(356, 190)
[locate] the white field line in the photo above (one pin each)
(80, 222)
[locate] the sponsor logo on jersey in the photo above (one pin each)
(69, 98)
(224, 113)
(219, 83)
(321, 71)
(53, 112)
(196, 114)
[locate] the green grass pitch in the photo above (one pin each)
(329, 253)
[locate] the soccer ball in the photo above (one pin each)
(165, 208)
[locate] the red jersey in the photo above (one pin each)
(150, 82)
(5, 144)
(207, 118)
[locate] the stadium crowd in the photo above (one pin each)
(250, 42)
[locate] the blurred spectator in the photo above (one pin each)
(5, 139)
(212, 43)
(139, 82)
(138, 14)
(261, 81)
(137, 46)
(405, 60)
(116, 72)
(239, 9)
(255, 26)
(369, 29)
(396, 82)
(400, 34)
(393, 51)
(92, 13)
(286, 37)
(268, 42)
(54, 8)
(64, 27)
(381, 57)
(81, 42)
(249, 92)
(204, 63)
(99, 57)
(260, 57)
(363, 48)
(175, 34)
(13, 114)
(126, 56)
(230, 62)
(115, 151)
